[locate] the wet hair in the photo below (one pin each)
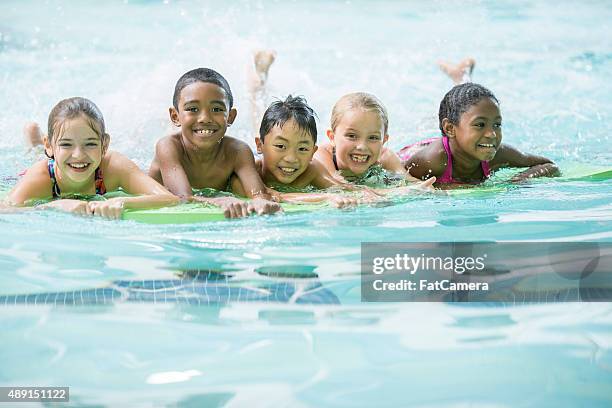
(71, 108)
(361, 100)
(294, 107)
(206, 75)
(460, 99)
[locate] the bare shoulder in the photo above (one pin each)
(430, 160)
(390, 161)
(39, 169)
(231, 144)
(315, 169)
(325, 155)
(38, 172)
(169, 146)
(113, 160)
(35, 183)
(386, 154)
(115, 166)
(237, 151)
(325, 150)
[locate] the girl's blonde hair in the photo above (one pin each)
(71, 108)
(358, 100)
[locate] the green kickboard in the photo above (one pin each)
(572, 172)
(578, 172)
(192, 213)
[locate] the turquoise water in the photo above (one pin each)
(282, 323)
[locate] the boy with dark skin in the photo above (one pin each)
(200, 155)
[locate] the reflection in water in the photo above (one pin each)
(197, 287)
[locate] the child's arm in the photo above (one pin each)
(126, 174)
(539, 166)
(367, 195)
(176, 180)
(323, 179)
(34, 184)
(337, 200)
(324, 157)
(426, 163)
(254, 188)
(419, 186)
(317, 176)
(172, 172)
(390, 161)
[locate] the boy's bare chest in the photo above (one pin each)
(213, 174)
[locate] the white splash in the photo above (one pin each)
(169, 377)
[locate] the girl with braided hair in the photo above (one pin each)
(471, 147)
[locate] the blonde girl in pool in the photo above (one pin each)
(310, 173)
(357, 135)
(80, 164)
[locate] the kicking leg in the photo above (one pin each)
(460, 73)
(32, 135)
(258, 77)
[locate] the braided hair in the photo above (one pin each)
(459, 99)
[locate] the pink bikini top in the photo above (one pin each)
(447, 176)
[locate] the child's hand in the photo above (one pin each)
(426, 185)
(232, 207)
(420, 187)
(541, 170)
(342, 201)
(371, 196)
(111, 209)
(368, 195)
(262, 206)
(69, 205)
(419, 184)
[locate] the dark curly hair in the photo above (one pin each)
(201, 75)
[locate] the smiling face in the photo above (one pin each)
(203, 114)
(287, 152)
(358, 140)
(77, 151)
(478, 133)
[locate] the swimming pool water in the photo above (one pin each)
(266, 311)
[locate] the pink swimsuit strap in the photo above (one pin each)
(447, 176)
